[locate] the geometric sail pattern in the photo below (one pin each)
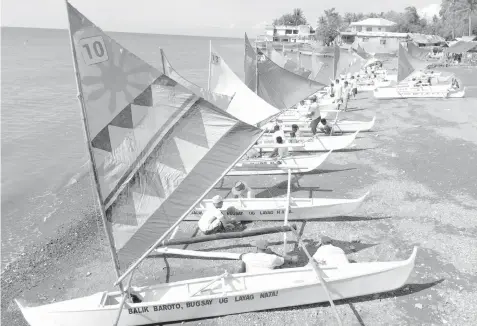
(219, 100)
(277, 86)
(157, 147)
(245, 105)
(285, 62)
(407, 64)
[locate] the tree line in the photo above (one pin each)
(456, 18)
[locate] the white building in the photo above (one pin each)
(372, 25)
(291, 34)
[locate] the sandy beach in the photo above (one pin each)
(420, 165)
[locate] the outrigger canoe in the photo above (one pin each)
(309, 144)
(417, 92)
(273, 209)
(264, 166)
(226, 294)
(340, 126)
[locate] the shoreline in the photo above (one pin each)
(418, 197)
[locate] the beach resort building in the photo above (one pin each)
(288, 34)
(374, 35)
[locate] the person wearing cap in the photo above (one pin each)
(212, 220)
(315, 114)
(329, 255)
(263, 259)
(241, 190)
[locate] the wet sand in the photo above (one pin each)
(420, 164)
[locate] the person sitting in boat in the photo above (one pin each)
(241, 190)
(315, 114)
(277, 133)
(329, 255)
(279, 152)
(213, 220)
(253, 153)
(263, 259)
(295, 130)
(324, 127)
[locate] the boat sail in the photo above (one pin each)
(245, 105)
(407, 64)
(286, 63)
(277, 86)
(219, 100)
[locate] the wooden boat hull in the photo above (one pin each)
(312, 144)
(341, 126)
(371, 87)
(273, 209)
(417, 92)
(233, 294)
(266, 166)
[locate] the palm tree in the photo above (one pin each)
(472, 8)
(298, 17)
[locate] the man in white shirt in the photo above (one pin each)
(213, 221)
(354, 86)
(346, 93)
(338, 93)
(280, 152)
(264, 259)
(241, 190)
(315, 114)
(329, 255)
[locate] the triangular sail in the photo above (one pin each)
(407, 65)
(287, 63)
(279, 87)
(245, 105)
(417, 52)
(219, 100)
(157, 146)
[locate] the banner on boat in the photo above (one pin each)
(157, 147)
(277, 86)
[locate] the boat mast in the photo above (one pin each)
(91, 156)
(210, 62)
(256, 71)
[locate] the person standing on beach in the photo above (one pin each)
(354, 86)
(314, 114)
(346, 93)
(338, 93)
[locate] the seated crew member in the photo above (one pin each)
(295, 129)
(278, 133)
(280, 152)
(241, 190)
(329, 255)
(263, 259)
(253, 153)
(324, 127)
(213, 221)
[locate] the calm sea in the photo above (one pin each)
(41, 131)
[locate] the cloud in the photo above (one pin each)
(429, 11)
(232, 26)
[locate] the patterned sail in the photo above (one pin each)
(157, 147)
(245, 105)
(219, 100)
(417, 52)
(279, 87)
(287, 63)
(407, 64)
(322, 67)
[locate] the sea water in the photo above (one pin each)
(42, 138)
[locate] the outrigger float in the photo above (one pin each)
(265, 166)
(273, 209)
(417, 92)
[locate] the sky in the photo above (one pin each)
(221, 18)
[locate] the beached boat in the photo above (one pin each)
(309, 144)
(265, 166)
(226, 294)
(366, 87)
(340, 126)
(273, 209)
(417, 92)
